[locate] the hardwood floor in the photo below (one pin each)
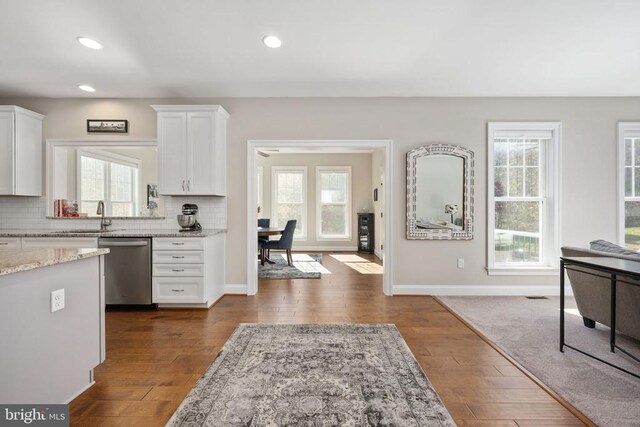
(154, 358)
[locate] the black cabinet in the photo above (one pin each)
(366, 239)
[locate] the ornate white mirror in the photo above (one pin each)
(440, 193)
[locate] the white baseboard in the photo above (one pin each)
(471, 290)
(235, 289)
(378, 253)
(326, 248)
(185, 305)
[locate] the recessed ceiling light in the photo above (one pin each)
(86, 88)
(272, 41)
(90, 43)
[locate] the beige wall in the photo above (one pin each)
(361, 194)
(588, 160)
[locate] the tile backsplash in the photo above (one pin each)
(31, 213)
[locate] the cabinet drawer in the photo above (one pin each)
(10, 243)
(178, 244)
(59, 242)
(178, 257)
(182, 270)
(178, 290)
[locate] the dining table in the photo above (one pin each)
(265, 232)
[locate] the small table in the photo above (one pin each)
(618, 271)
(266, 232)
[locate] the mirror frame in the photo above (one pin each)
(415, 233)
(49, 184)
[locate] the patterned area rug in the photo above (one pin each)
(313, 375)
(305, 266)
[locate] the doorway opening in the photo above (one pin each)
(327, 187)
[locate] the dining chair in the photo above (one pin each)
(284, 243)
(263, 223)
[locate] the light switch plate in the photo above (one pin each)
(57, 300)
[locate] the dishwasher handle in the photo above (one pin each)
(121, 244)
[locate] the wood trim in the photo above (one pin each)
(532, 377)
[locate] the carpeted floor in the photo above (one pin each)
(305, 266)
(528, 330)
(313, 375)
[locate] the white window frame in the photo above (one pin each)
(625, 130)
(109, 157)
(274, 198)
(330, 169)
(550, 233)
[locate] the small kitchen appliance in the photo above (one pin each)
(189, 218)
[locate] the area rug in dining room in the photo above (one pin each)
(313, 375)
(304, 266)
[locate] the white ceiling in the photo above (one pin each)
(211, 48)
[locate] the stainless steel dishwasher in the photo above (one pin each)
(127, 271)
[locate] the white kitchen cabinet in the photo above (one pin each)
(188, 271)
(20, 152)
(10, 243)
(59, 242)
(192, 147)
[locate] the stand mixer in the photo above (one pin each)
(189, 218)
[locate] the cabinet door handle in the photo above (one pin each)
(4, 243)
(177, 270)
(183, 185)
(188, 185)
(177, 243)
(177, 290)
(177, 257)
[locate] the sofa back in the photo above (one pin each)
(593, 294)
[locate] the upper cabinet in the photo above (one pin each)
(192, 150)
(20, 152)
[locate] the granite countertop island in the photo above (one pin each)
(112, 233)
(52, 323)
(16, 260)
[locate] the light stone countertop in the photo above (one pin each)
(112, 233)
(16, 260)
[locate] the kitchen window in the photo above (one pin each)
(109, 177)
(523, 198)
(333, 203)
(289, 198)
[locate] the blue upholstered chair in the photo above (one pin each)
(263, 223)
(285, 242)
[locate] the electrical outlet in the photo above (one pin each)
(57, 300)
(460, 262)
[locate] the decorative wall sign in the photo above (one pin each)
(107, 126)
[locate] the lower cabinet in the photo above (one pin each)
(188, 271)
(10, 243)
(59, 242)
(178, 290)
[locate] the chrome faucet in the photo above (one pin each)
(104, 222)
